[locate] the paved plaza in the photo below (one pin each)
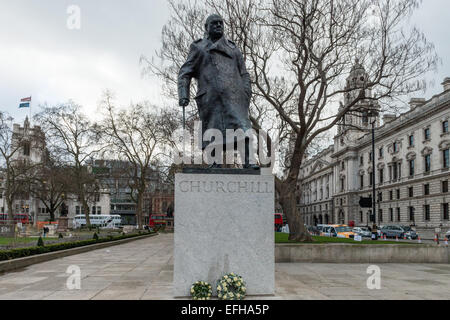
(143, 269)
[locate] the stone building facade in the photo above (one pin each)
(317, 191)
(412, 164)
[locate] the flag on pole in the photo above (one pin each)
(25, 102)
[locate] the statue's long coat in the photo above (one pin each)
(224, 87)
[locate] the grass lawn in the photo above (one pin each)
(283, 238)
(9, 241)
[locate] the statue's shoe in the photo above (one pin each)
(251, 166)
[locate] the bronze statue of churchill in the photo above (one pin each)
(224, 88)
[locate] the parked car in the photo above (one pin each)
(363, 232)
(398, 231)
(327, 232)
(313, 230)
(410, 233)
(343, 231)
(338, 230)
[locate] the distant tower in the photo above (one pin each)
(31, 142)
(355, 123)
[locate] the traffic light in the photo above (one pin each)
(365, 202)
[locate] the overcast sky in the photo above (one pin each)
(42, 57)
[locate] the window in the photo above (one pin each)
(426, 189)
(445, 126)
(398, 215)
(99, 210)
(446, 158)
(361, 216)
(361, 181)
(394, 171)
(97, 197)
(381, 178)
(391, 195)
(427, 134)
(77, 210)
(411, 140)
(445, 186)
(428, 163)
(370, 178)
(381, 151)
(342, 165)
(411, 192)
(391, 214)
(445, 211)
(426, 210)
(380, 197)
(411, 168)
(395, 146)
(342, 184)
(398, 194)
(94, 210)
(26, 148)
(411, 213)
(399, 170)
(370, 157)
(380, 215)
(361, 160)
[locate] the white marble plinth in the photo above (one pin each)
(224, 223)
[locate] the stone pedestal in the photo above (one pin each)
(63, 224)
(224, 223)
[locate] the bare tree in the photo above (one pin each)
(300, 54)
(74, 139)
(51, 184)
(135, 135)
(15, 165)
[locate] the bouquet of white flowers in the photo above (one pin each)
(231, 287)
(201, 290)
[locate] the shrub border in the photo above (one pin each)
(22, 257)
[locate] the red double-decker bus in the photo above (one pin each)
(278, 221)
(20, 217)
(157, 221)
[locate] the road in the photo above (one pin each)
(143, 269)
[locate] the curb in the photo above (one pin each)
(19, 263)
(355, 253)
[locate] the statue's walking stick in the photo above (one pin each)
(184, 117)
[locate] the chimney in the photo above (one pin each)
(387, 118)
(446, 84)
(416, 102)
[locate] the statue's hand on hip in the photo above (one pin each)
(184, 102)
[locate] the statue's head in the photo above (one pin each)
(214, 26)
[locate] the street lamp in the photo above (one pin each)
(373, 114)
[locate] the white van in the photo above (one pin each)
(104, 221)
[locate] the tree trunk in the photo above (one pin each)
(9, 203)
(52, 214)
(139, 211)
(297, 230)
(86, 212)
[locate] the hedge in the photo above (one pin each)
(30, 251)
